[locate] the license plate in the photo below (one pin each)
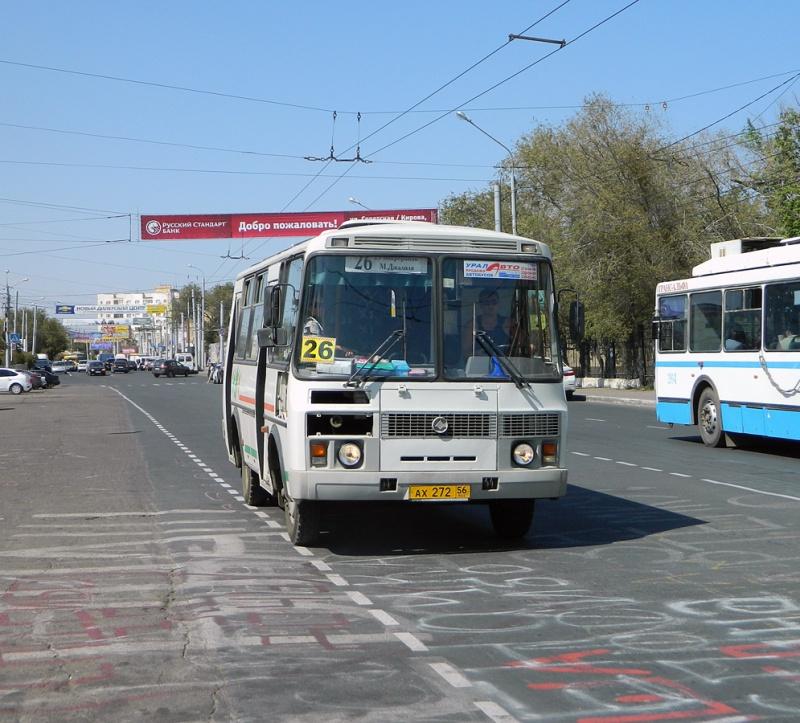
(438, 492)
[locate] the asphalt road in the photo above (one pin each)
(135, 584)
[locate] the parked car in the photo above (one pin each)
(82, 365)
(170, 368)
(132, 366)
(570, 383)
(37, 380)
(96, 368)
(120, 365)
(49, 379)
(42, 364)
(14, 381)
(59, 367)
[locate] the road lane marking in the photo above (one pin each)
(750, 489)
(582, 454)
(593, 419)
(680, 474)
(451, 675)
(494, 712)
(304, 551)
(320, 565)
(412, 642)
(653, 469)
(383, 617)
(359, 598)
(627, 464)
(338, 580)
(604, 459)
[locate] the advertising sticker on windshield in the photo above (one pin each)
(499, 270)
(386, 265)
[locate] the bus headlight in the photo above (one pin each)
(350, 454)
(523, 454)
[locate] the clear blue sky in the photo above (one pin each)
(378, 58)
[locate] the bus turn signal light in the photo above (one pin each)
(549, 452)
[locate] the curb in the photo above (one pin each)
(609, 399)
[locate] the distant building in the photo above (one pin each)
(145, 313)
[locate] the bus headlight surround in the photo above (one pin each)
(350, 454)
(523, 454)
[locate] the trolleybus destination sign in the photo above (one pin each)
(254, 225)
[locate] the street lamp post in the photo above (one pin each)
(201, 326)
(463, 116)
(355, 201)
(7, 338)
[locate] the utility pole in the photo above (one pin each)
(8, 321)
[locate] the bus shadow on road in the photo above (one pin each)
(582, 518)
(748, 443)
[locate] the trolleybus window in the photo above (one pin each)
(672, 315)
(782, 324)
(705, 328)
(742, 321)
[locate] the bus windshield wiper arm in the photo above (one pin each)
(492, 349)
(360, 375)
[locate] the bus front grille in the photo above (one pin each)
(538, 424)
(460, 425)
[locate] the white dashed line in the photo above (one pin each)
(320, 565)
(259, 513)
(679, 474)
(451, 675)
(338, 580)
(653, 469)
(592, 419)
(383, 617)
(604, 459)
(304, 551)
(225, 484)
(359, 598)
(412, 642)
(627, 464)
(273, 524)
(231, 491)
(495, 712)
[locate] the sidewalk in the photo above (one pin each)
(643, 397)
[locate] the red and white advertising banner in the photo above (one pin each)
(259, 225)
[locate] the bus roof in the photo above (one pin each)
(741, 254)
(420, 236)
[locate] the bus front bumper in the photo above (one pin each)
(345, 485)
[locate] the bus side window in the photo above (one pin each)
(243, 332)
(705, 321)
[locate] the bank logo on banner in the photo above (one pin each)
(153, 227)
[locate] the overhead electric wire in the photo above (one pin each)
(167, 86)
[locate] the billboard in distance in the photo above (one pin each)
(260, 225)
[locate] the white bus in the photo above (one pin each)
(397, 361)
(728, 343)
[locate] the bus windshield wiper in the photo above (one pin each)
(492, 349)
(361, 374)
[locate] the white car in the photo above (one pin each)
(82, 365)
(59, 367)
(14, 382)
(570, 383)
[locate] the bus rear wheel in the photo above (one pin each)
(254, 495)
(511, 519)
(302, 519)
(709, 419)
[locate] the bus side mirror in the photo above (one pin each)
(577, 323)
(656, 327)
(272, 336)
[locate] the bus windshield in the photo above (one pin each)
(352, 304)
(508, 302)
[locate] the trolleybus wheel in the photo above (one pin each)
(511, 519)
(253, 493)
(709, 419)
(302, 520)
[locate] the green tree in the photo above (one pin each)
(775, 175)
(621, 208)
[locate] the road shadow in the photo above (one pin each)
(582, 518)
(748, 443)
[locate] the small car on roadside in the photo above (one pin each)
(170, 368)
(14, 382)
(59, 367)
(570, 383)
(96, 368)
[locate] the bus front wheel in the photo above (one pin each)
(511, 519)
(709, 419)
(302, 519)
(254, 495)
